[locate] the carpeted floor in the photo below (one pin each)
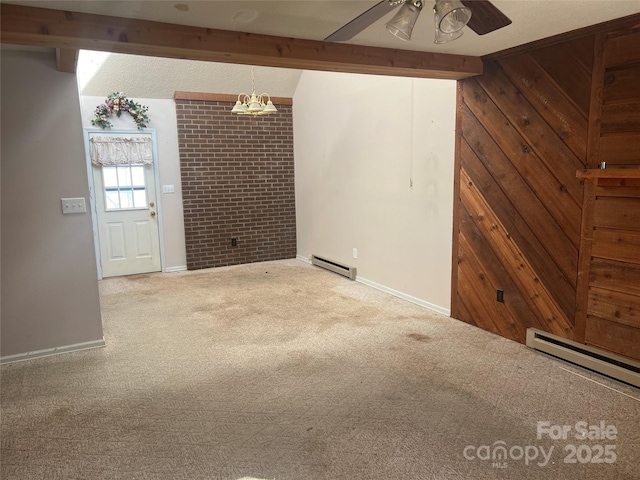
(282, 371)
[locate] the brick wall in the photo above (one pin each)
(237, 182)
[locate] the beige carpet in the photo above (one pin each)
(281, 370)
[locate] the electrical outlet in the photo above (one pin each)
(355, 253)
(234, 242)
(73, 205)
(500, 296)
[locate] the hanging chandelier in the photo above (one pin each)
(254, 104)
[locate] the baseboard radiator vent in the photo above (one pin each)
(601, 361)
(339, 268)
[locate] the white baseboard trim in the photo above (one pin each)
(19, 357)
(304, 259)
(395, 293)
(404, 296)
(180, 268)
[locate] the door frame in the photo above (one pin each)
(92, 188)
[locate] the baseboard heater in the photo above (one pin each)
(339, 268)
(610, 364)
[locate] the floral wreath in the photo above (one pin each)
(117, 103)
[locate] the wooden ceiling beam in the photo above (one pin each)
(67, 59)
(73, 30)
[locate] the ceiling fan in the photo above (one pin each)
(450, 16)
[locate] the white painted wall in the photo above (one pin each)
(49, 283)
(163, 119)
(162, 77)
(360, 141)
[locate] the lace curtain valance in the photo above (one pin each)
(120, 150)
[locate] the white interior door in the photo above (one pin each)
(127, 219)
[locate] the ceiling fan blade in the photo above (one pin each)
(358, 24)
(485, 17)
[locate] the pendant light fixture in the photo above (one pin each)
(254, 104)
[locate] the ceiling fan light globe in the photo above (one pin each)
(451, 15)
(401, 25)
(442, 37)
(398, 33)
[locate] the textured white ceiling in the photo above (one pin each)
(313, 19)
(148, 77)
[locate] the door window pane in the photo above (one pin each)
(109, 177)
(124, 176)
(139, 198)
(126, 198)
(137, 176)
(124, 187)
(113, 199)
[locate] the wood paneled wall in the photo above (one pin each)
(525, 127)
(608, 306)
(616, 138)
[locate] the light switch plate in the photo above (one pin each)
(73, 205)
(167, 189)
